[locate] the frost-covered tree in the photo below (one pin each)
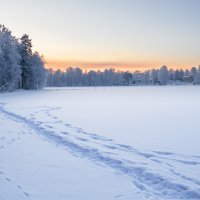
(154, 76)
(171, 74)
(163, 76)
(19, 67)
(50, 75)
(197, 76)
(110, 77)
(128, 77)
(38, 73)
(26, 58)
(193, 72)
(186, 73)
(10, 71)
(146, 77)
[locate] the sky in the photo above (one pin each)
(98, 34)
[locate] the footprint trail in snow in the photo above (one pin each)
(154, 173)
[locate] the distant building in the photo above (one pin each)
(188, 79)
(197, 77)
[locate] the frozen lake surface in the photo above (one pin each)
(100, 143)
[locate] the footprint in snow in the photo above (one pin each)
(68, 125)
(110, 147)
(127, 147)
(49, 126)
(118, 196)
(187, 162)
(19, 187)
(163, 153)
(81, 139)
(146, 155)
(65, 133)
(95, 137)
(157, 161)
(7, 179)
(26, 194)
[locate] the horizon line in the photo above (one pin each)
(61, 65)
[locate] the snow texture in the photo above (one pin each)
(53, 144)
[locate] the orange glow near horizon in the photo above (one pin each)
(62, 65)
(125, 35)
(86, 66)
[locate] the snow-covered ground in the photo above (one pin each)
(100, 143)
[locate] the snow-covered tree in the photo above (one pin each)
(19, 67)
(128, 78)
(163, 76)
(10, 72)
(26, 58)
(38, 73)
(193, 72)
(109, 77)
(197, 76)
(146, 78)
(154, 76)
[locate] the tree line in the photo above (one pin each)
(111, 77)
(20, 68)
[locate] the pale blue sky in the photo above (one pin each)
(138, 33)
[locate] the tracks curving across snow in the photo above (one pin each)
(153, 173)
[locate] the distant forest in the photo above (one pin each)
(111, 77)
(20, 68)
